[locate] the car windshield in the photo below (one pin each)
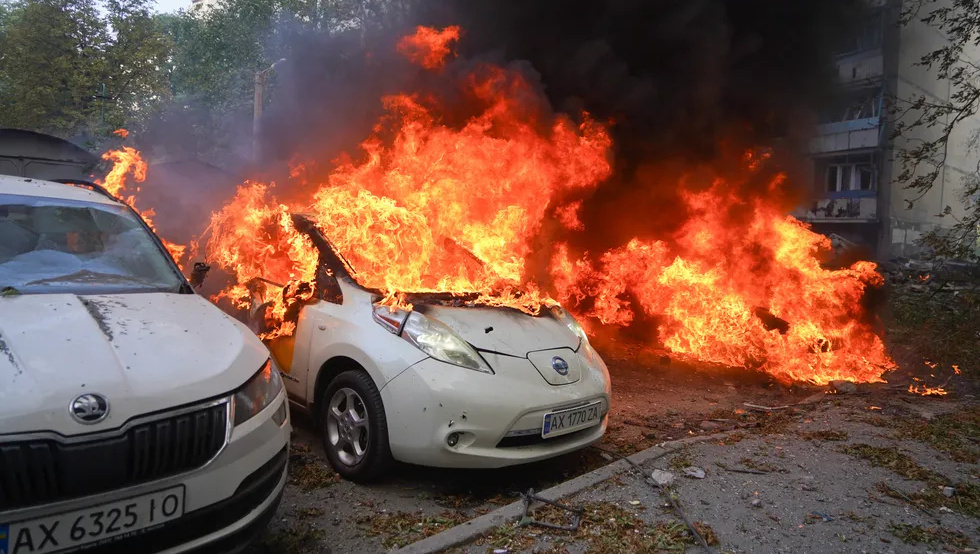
(57, 246)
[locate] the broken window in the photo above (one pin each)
(855, 172)
(867, 37)
(51, 245)
(851, 105)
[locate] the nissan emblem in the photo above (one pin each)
(559, 365)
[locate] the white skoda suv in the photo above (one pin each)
(134, 415)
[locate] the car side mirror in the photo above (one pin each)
(198, 274)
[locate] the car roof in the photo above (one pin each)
(25, 186)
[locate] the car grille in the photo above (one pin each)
(45, 470)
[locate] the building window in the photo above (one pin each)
(856, 172)
(867, 37)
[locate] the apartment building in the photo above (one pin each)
(856, 195)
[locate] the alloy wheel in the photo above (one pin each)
(348, 426)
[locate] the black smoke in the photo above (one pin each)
(672, 74)
(685, 85)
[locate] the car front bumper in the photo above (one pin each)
(497, 417)
(227, 502)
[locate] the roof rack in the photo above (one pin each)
(87, 184)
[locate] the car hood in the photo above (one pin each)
(504, 330)
(143, 352)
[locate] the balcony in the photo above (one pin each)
(841, 207)
(847, 135)
(846, 189)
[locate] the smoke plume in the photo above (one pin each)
(687, 86)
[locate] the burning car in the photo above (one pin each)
(134, 416)
(445, 383)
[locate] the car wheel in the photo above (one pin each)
(354, 428)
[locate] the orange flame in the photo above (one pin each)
(126, 161)
(411, 217)
(121, 133)
(751, 296)
(428, 47)
(924, 390)
(464, 209)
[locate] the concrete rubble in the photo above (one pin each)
(663, 478)
(947, 276)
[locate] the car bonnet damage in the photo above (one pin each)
(483, 323)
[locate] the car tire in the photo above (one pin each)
(350, 406)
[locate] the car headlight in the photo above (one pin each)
(431, 336)
(256, 394)
(569, 321)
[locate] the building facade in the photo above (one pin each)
(856, 194)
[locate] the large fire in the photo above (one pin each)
(753, 295)
(434, 209)
(127, 161)
(464, 208)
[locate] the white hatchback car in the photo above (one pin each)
(448, 384)
(134, 415)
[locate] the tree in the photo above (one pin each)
(137, 62)
(52, 59)
(216, 54)
(55, 56)
(211, 71)
(933, 124)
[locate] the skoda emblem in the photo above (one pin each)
(89, 408)
(559, 365)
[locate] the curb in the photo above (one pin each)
(467, 531)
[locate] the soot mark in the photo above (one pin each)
(99, 314)
(5, 350)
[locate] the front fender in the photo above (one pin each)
(348, 330)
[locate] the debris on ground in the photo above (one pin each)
(758, 408)
(530, 498)
(605, 527)
(694, 472)
(916, 534)
(717, 425)
(821, 516)
(867, 486)
(296, 538)
(797, 445)
(662, 478)
(308, 472)
(401, 528)
(843, 387)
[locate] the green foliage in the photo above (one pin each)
(190, 73)
(137, 60)
(53, 59)
(55, 55)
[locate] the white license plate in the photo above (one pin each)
(570, 420)
(92, 526)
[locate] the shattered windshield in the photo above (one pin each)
(57, 246)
